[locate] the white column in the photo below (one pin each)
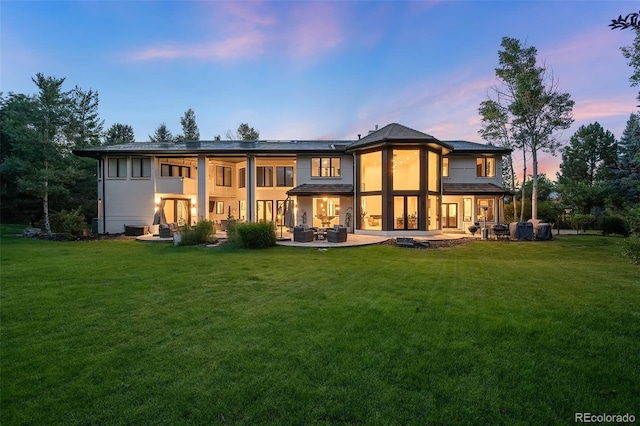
(203, 187)
(251, 188)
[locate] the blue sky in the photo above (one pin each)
(311, 70)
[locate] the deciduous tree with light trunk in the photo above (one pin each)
(531, 106)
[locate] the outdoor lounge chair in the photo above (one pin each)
(302, 234)
(166, 230)
(337, 235)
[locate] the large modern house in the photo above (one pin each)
(393, 181)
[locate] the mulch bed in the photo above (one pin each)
(434, 244)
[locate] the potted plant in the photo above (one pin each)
(348, 217)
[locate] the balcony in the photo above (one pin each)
(176, 185)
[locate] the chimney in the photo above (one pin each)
(358, 136)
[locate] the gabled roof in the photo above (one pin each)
(473, 189)
(466, 147)
(394, 132)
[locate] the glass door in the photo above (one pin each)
(405, 212)
(449, 215)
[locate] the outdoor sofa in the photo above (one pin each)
(302, 234)
(337, 235)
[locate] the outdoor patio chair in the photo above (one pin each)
(337, 235)
(302, 234)
(166, 230)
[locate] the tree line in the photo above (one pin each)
(599, 177)
(41, 180)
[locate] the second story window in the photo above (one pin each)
(171, 170)
(264, 176)
(284, 176)
(485, 167)
(117, 167)
(140, 167)
(242, 178)
(223, 176)
(445, 167)
(325, 167)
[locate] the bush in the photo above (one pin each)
(613, 225)
(201, 233)
(580, 221)
(254, 235)
(631, 249)
(232, 234)
(72, 222)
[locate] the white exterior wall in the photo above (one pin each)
(127, 200)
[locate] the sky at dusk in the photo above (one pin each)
(315, 70)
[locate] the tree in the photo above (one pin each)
(119, 134)
(40, 143)
(629, 21)
(532, 106)
(632, 53)
(162, 134)
(625, 174)
(497, 129)
(190, 130)
(244, 133)
(85, 125)
(586, 167)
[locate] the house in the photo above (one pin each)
(393, 181)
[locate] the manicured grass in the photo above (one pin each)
(122, 332)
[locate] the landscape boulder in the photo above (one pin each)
(31, 232)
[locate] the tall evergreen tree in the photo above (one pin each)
(86, 127)
(625, 179)
(118, 134)
(190, 130)
(586, 167)
(162, 134)
(39, 157)
(244, 133)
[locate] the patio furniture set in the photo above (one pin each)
(304, 234)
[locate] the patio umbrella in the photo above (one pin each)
(288, 213)
(159, 217)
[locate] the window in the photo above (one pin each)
(371, 172)
(467, 209)
(406, 169)
(264, 211)
(219, 207)
(117, 167)
(223, 176)
(485, 167)
(264, 176)
(242, 178)
(140, 167)
(172, 170)
(445, 167)
(325, 167)
(488, 203)
(284, 176)
(433, 178)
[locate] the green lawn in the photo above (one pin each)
(123, 332)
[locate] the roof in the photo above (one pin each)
(321, 189)
(394, 132)
(473, 189)
(466, 147)
(390, 133)
(217, 147)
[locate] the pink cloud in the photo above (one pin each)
(248, 29)
(244, 45)
(315, 28)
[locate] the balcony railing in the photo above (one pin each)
(176, 185)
